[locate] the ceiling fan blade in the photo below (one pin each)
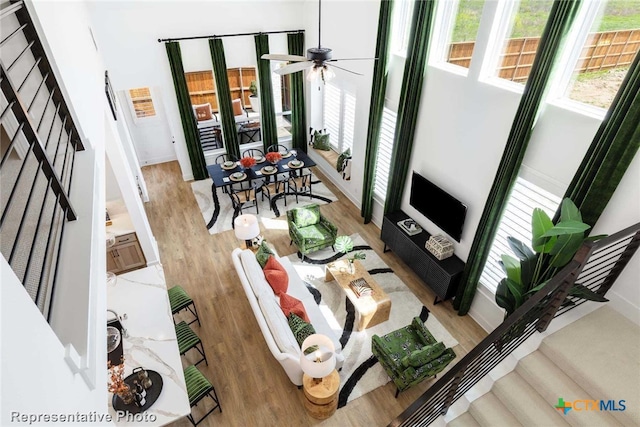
(292, 68)
(283, 57)
(352, 59)
(344, 69)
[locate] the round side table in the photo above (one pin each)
(321, 398)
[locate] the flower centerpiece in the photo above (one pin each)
(247, 162)
(274, 157)
(117, 384)
(344, 244)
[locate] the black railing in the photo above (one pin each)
(596, 266)
(39, 145)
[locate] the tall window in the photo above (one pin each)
(401, 26)
(522, 37)
(281, 100)
(142, 102)
(339, 116)
(462, 34)
(385, 148)
(516, 222)
(609, 48)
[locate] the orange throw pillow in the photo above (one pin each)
(289, 304)
(276, 275)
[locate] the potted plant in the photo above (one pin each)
(116, 384)
(344, 244)
(247, 162)
(253, 98)
(273, 157)
(553, 247)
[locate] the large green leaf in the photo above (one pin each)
(567, 227)
(516, 290)
(564, 249)
(512, 267)
(527, 258)
(504, 298)
(537, 288)
(540, 223)
(569, 211)
(582, 291)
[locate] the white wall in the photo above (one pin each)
(63, 371)
(462, 126)
(128, 32)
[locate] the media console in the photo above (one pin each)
(441, 276)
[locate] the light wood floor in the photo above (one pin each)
(251, 385)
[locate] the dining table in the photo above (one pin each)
(223, 176)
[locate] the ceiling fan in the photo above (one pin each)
(317, 59)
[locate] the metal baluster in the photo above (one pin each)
(10, 36)
(7, 109)
(29, 73)
(15, 61)
(13, 141)
(15, 186)
(55, 270)
(33, 100)
(10, 10)
(46, 249)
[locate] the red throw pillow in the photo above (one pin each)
(276, 275)
(290, 304)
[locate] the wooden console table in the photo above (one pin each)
(442, 276)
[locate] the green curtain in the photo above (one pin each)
(378, 90)
(409, 104)
(560, 19)
(227, 118)
(268, 112)
(611, 151)
(296, 87)
(189, 125)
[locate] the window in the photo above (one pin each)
(516, 222)
(281, 100)
(519, 49)
(463, 33)
(339, 116)
(401, 26)
(142, 102)
(608, 50)
(385, 148)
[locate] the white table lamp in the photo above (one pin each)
(246, 228)
(321, 360)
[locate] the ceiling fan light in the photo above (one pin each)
(327, 73)
(313, 74)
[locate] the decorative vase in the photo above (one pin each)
(351, 267)
(126, 395)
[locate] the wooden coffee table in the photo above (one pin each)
(373, 309)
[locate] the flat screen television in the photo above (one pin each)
(437, 205)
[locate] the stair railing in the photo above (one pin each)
(596, 266)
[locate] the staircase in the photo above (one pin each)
(595, 358)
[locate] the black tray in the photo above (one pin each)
(152, 393)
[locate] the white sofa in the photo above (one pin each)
(272, 321)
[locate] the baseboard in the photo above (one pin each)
(485, 311)
(157, 160)
(187, 177)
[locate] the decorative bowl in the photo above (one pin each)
(237, 175)
(228, 164)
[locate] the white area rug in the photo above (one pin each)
(224, 217)
(361, 373)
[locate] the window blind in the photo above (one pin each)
(516, 222)
(385, 147)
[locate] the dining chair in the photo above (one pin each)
(278, 148)
(243, 197)
(225, 157)
(252, 152)
(281, 183)
(301, 181)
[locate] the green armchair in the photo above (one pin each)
(411, 354)
(310, 230)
